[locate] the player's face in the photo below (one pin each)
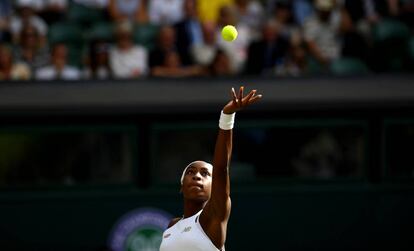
(197, 182)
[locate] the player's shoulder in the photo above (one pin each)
(173, 221)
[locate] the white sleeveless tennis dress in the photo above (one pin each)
(187, 235)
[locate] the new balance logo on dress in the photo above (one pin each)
(187, 229)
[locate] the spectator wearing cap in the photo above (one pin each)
(30, 50)
(322, 32)
(58, 69)
(98, 61)
(10, 70)
(165, 12)
(134, 11)
(126, 59)
(26, 15)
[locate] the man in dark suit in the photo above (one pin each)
(264, 55)
(189, 31)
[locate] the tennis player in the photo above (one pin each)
(206, 191)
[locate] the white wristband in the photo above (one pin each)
(226, 121)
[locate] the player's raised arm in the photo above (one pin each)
(218, 207)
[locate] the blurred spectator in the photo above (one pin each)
(361, 14)
(172, 67)
(302, 10)
(166, 42)
(321, 32)
(189, 32)
(356, 18)
(97, 4)
(209, 9)
(269, 52)
(387, 8)
(5, 14)
(10, 70)
(53, 11)
(220, 65)
(283, 16)
(98, 61)
(127, 60)
(30, 50)
(26, 16)
(59, 69)
(251, 14)
(295, 63)
(132, 10)
(407, 13)
(165, 12)
(236, 50)
(204, 53)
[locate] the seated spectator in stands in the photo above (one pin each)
(236, 50)
(362, 14)
(26, 16)
(165, 12)
(59, 69)
(53, 11)
(172, 67)
(407, 13)
(357, 17)
(127, 60)
(387, 8)
(209, 9)
(269, 52)
(166, 42)
(96, 4)
(302, 10)
(220, 65)
(5, 14)
(128, 10)
(251, 14)
(295, 63)
(189, 32)
(283, 15)
(204, 53)
(30, 50)
(10, 70)
(322, 31)
(98, 61)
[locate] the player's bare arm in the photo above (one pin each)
(216, 213)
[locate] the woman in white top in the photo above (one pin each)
(207, 204)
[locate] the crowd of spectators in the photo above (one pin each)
(121, 39)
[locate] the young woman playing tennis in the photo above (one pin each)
(206, 191)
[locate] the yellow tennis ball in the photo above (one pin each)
(229, 33)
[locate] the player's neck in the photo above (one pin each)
(192, 207)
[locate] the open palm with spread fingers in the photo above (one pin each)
(239, 101)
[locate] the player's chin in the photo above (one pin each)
(200, 196)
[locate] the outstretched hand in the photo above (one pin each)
(239, 102)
